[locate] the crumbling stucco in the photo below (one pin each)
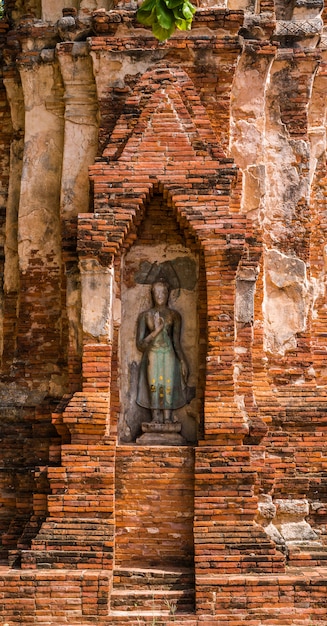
(286, 301)
(97, 297)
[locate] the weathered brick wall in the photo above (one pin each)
(154, 507)
(66, 596)
(215, 140)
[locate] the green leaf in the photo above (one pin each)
(165, 16)
(147, 5)
(183, 24)
(172, 4)
(145, 13)
(145, 17)
(162, 33)
(188, 10)
(178, 15)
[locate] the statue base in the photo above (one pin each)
(155, 434)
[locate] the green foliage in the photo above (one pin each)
(164, 16)
(2, 8)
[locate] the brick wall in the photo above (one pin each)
(154, 506)
(81, 512)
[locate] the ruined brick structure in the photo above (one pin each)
(113, 144)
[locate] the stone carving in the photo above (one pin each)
(310, 4)
(179, 272)
(303, 28)
(143, 266)
(323, 41)
(162, 385)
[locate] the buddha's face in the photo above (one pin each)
(160, 294)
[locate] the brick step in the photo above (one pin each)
(137, 578)
(137, 618)
(307, 555)
(240, 546)
(56, 543)
(308, 546)
(161, 618)
(53, 535)
(249, 542)
(239, 564)
(151, 600)
(240, 567)
(74, 522)
(60, 558)
(143, 618)
(241, 534)
(121, 618)
(74, 525)
(70, 542)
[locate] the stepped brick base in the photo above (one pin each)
(79, 530)
(165, 591)
(41, 597)
(227, 539)
(82, 598)
(72, 543)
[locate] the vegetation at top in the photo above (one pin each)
(164, 16)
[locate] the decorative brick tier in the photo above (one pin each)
(79, 530)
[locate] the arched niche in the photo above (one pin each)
(161, 250)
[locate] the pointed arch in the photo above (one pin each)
(166, 96)
(164, 141)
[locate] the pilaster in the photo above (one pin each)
(39, 241)
(11, 269)
(79, 151)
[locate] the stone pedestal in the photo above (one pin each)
(155, 434)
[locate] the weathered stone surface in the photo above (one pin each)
(161, 435)
(286, 302)
(244, 296)
(136, 297)
(297, 532)
(97, 294)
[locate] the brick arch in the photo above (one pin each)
(147, 235)
(164, 83)
(164, 140)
